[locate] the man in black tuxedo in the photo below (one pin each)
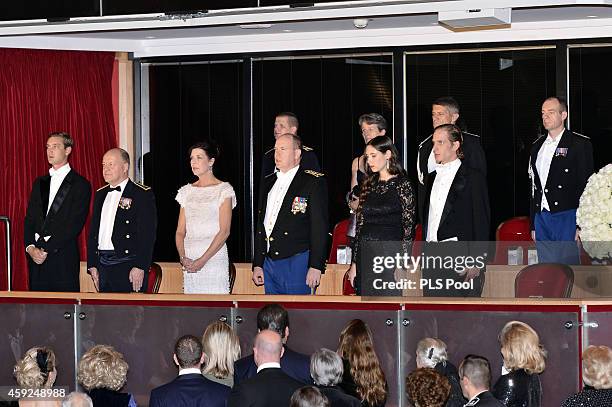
(190, 388)
(475, 379)
(275, 318)
(456, 211)
(445, 110)
(560, 165)
(56, 213)
(122, 232)
(288, 123)
(270, 386)
(292, 224)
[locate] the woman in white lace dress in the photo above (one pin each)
(204, 225)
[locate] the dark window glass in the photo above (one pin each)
(591, 99)
(41, 9)
(189, 103)
(328, 95)
(500, 94)
(119, 7)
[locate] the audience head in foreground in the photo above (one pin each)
(268, 347)
(597, 377)
(308, 396)
(188, 352)
(102, 367)
(475, 373)
(356, 347)
(427, 388)
(77, 399)
(36, 370)
(221, 348)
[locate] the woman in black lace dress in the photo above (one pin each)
(386, 214)
(524, 359)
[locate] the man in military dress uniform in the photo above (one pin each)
(287, 123)
(445, 110)
(122, 232)
(560, 164)
(292, 224)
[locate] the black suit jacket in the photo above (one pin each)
(466, 214)
(296, 229)
(64, 222)
(190, 390)
(294, 364)
(474, 158)
(485, 399)
(567, 176)
(134, 228)
(269, 388)
(338, 398)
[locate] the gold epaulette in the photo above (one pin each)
(142, 186)
(101, 188)
(536, 140)
(581, 135)
(306, 148)
(314, 173)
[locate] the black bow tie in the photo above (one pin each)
(117, 188)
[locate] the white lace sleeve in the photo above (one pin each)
(227, 192)
(181, 196)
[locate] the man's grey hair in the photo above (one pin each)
(77, 399)
(326, 367)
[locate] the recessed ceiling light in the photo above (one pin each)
(150, 37)
(254, 26)
(592, 16)
(287, 31)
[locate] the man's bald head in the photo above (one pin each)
(115, 166)
(268, 347)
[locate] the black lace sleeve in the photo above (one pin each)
(406, 195)
(359, 224)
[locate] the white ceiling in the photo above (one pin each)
(331, 26)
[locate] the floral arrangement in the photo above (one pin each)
(594, 215)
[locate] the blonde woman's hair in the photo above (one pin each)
(597, 367)
(32, 371)
(357, 346)
(431, 351)
(102, 367)
(521, 348)
(221, 350)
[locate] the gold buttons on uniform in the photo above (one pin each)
(286, 233)
(276, 253)
(127, 251)
(127, 236)
(560, 186)
(127, 221)
(271, 239)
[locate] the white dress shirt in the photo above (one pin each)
(431, 162)
(445, 174)
(276, 197)
(273, 365)
(545, 156)
(189, 370)
(57, 177)
(107, 217)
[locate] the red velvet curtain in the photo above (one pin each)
(41, 92)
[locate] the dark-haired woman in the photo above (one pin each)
(386, 214)
(204, 225)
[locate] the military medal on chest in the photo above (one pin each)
(299, 205)
(125, 203)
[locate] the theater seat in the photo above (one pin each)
(154, 279)
(516, 229)
(347, 288)
(545, 280)
(339, 238)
